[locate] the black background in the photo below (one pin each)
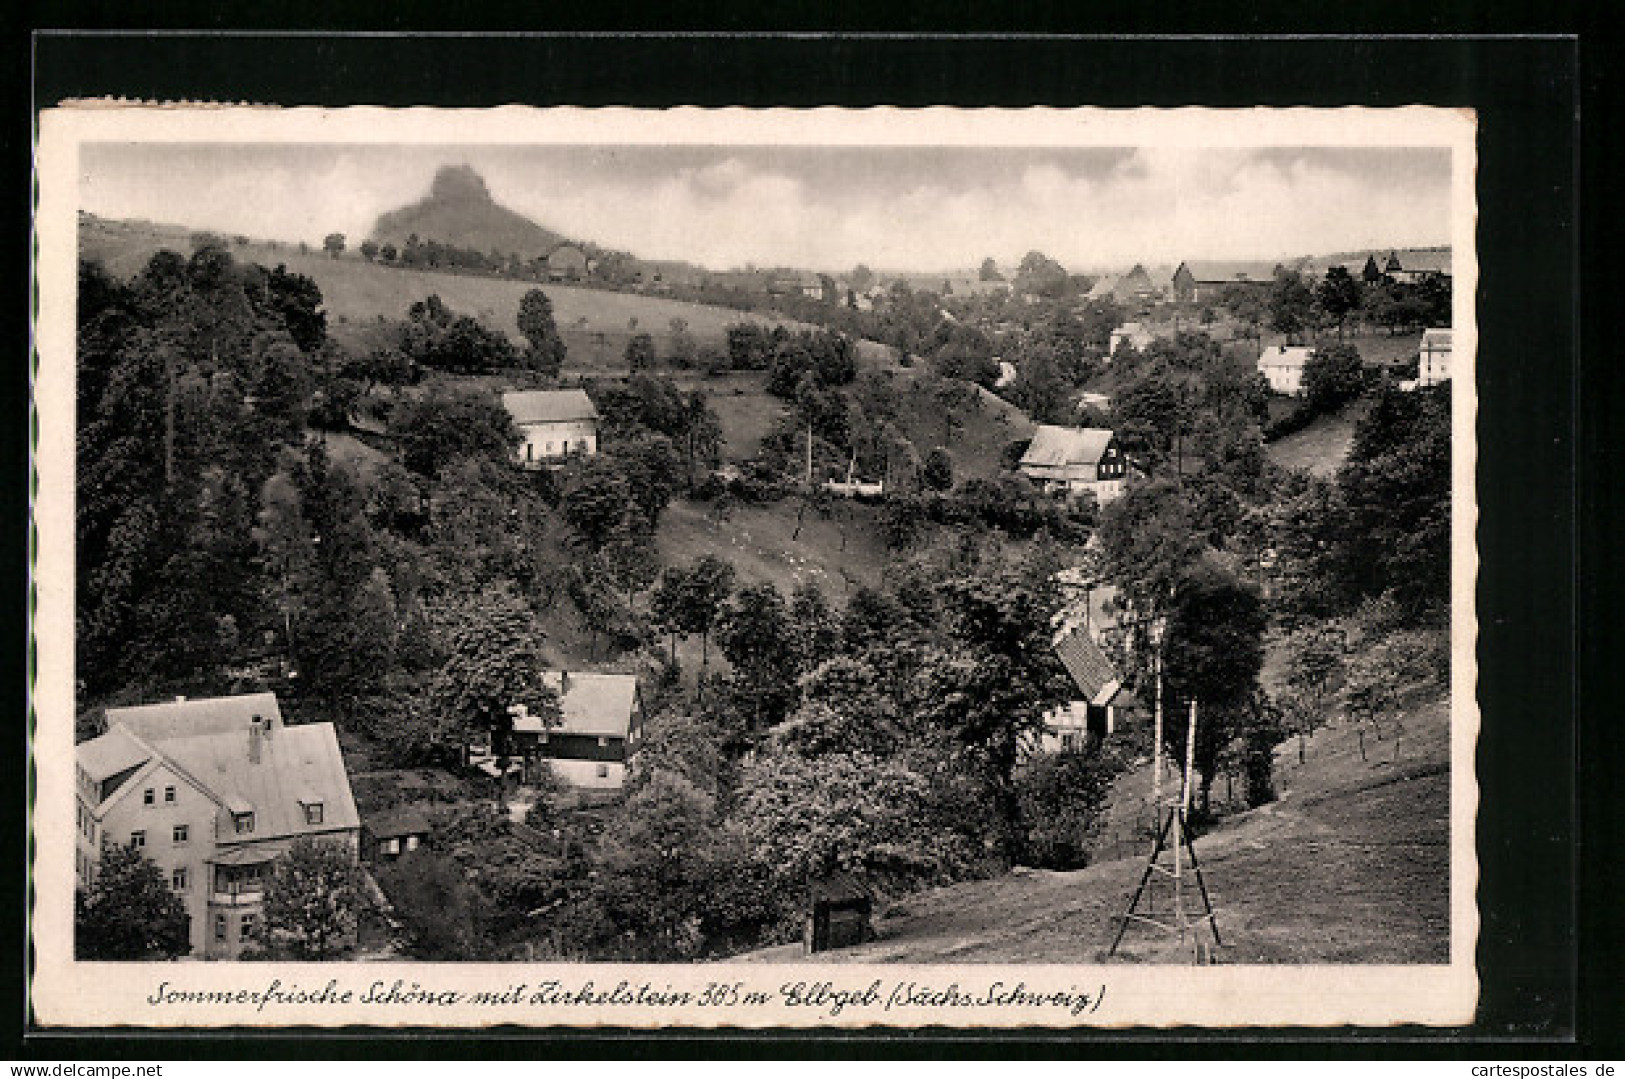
(1543, 993)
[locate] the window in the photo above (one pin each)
(148, 797)
(182, 833)
(603, 771)
(180, 879)
(530, 451)
(220, 927)
(138, 840)
(243, 822)
(246, 929)
(169, 794)
(411, 842)
(550, 449)
(602, 742)
(391, 846)
(313, 812)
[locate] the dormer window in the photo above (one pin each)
(243, 822)
(313, 812)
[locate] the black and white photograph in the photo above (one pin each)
(543, 566)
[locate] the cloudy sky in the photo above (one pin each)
(822, 208)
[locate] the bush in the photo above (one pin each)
(1061, 798)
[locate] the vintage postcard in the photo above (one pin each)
(733, 568)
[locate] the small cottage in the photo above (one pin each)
(1074, 460)
(840, 909)
(555, 425)
(1093, 715)
(386, 836)
(595, 736)
(1282, 366)
(1132, 335)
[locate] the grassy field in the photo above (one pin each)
(1351, 865)
(1320, 448)
(839, 552)
(596, 324)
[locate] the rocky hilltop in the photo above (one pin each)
(460, 211)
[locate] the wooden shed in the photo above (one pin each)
(839, 912)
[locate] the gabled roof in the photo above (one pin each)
(181, 717)
(1244, 271)
(1436, 340)
(295, 762)
(114, 752)
(1285, 356)
(1426, 260)
(398, 821)
(1058, 447)
(1091, 671)
(548, 406)
(591, 703)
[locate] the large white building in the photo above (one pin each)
(213, 791)
(555, 425)
(1282, 366)
(1433, 358)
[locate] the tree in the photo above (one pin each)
(937, 474)
(989, 271)
(492, 645)
(1333, 377)
(129, 912)
(369, 250)
(333, 244)
(861, 279)
(1339, 295)
(814, 625)
(437, 907)
(1062, 796)
(312, 902)
(754, 632)
(597, 499)
(1213, 650)
(449, 423)
(388, 252)
(1291, 304)
(640, 353)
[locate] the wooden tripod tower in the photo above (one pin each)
(1173, 837)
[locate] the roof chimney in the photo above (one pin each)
(254, 737)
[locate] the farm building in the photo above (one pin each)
(1411, 266)
(1433, 358)
(1075, 460)
(596, 734)
(1282, 366)
(1206, 282)
(213, 791)
(555, 424)
(566, 262)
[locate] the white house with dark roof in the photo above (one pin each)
(598, 730)
(213, 791)
(1433, 357)
(1093, 714)
(555, 425)
(1074, 460)
(1282, 366)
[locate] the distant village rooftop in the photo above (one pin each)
(548, 406)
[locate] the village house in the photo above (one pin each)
(1417, 263)
(1074, 460)
(595, 736)
(1433, 357)
(1206, 282)
(213, 791)
(555, 425)
(1129, 334)
(1094, 714)
(566, 262)
(1282, 366)
(387, 835)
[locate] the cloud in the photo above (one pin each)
(826, 209)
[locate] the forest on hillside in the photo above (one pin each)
(222, 547)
